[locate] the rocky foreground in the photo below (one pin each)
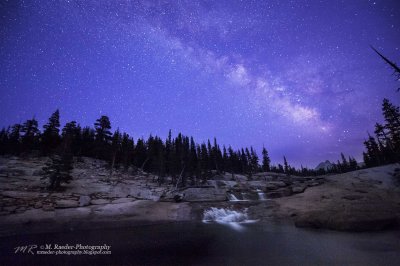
(358, 201)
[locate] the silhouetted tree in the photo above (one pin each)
(58, 170)
(50, 136)
(391, 64)
(266, 161)
(31, 132)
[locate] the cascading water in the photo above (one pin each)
(228, 217)
(232, 197)
(261, 195)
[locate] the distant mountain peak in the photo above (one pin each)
(327, 165)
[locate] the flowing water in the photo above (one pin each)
(261, 195)
(213, 242)
(232, 197)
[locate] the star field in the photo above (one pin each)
(296, 76)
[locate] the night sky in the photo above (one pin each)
(296, 76)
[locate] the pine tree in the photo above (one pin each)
(353, 165)
(102, 127)
(31, 132)
(373, 152)
(50, 136)
(103, 137)
(391, 114)
(58, 170)
(286, 165)
(253, 160)
(127, 150)
(115, 150)
(266, 160)
(70, 135)
(14, 140)
(345, 164)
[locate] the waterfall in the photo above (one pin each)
(232, 197)
(228, 217)
(261, 195)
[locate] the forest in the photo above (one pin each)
(180, 157)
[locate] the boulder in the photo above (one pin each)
(179, 197)
(66, 203)
(84, 201)
(194, 194)
(99, 201)
(279, 193)
(277, 183)
(270, 186)
(313, 184)
(298, 189)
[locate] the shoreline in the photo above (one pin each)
(363, 200)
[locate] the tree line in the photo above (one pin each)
(180, 157)
(384, 147)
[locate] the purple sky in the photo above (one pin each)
(296, 76)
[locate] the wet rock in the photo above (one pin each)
(37, 205)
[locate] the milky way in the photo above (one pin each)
(298, 77)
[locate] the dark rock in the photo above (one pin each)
(99, 201)
(38, 172)
(84, 201)
(360, 191)
(279, 193)
(48, 208)
(179, 197)
(66, 203)
(12, 171)
(298, 189)
(193, 194)
(352, 197)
